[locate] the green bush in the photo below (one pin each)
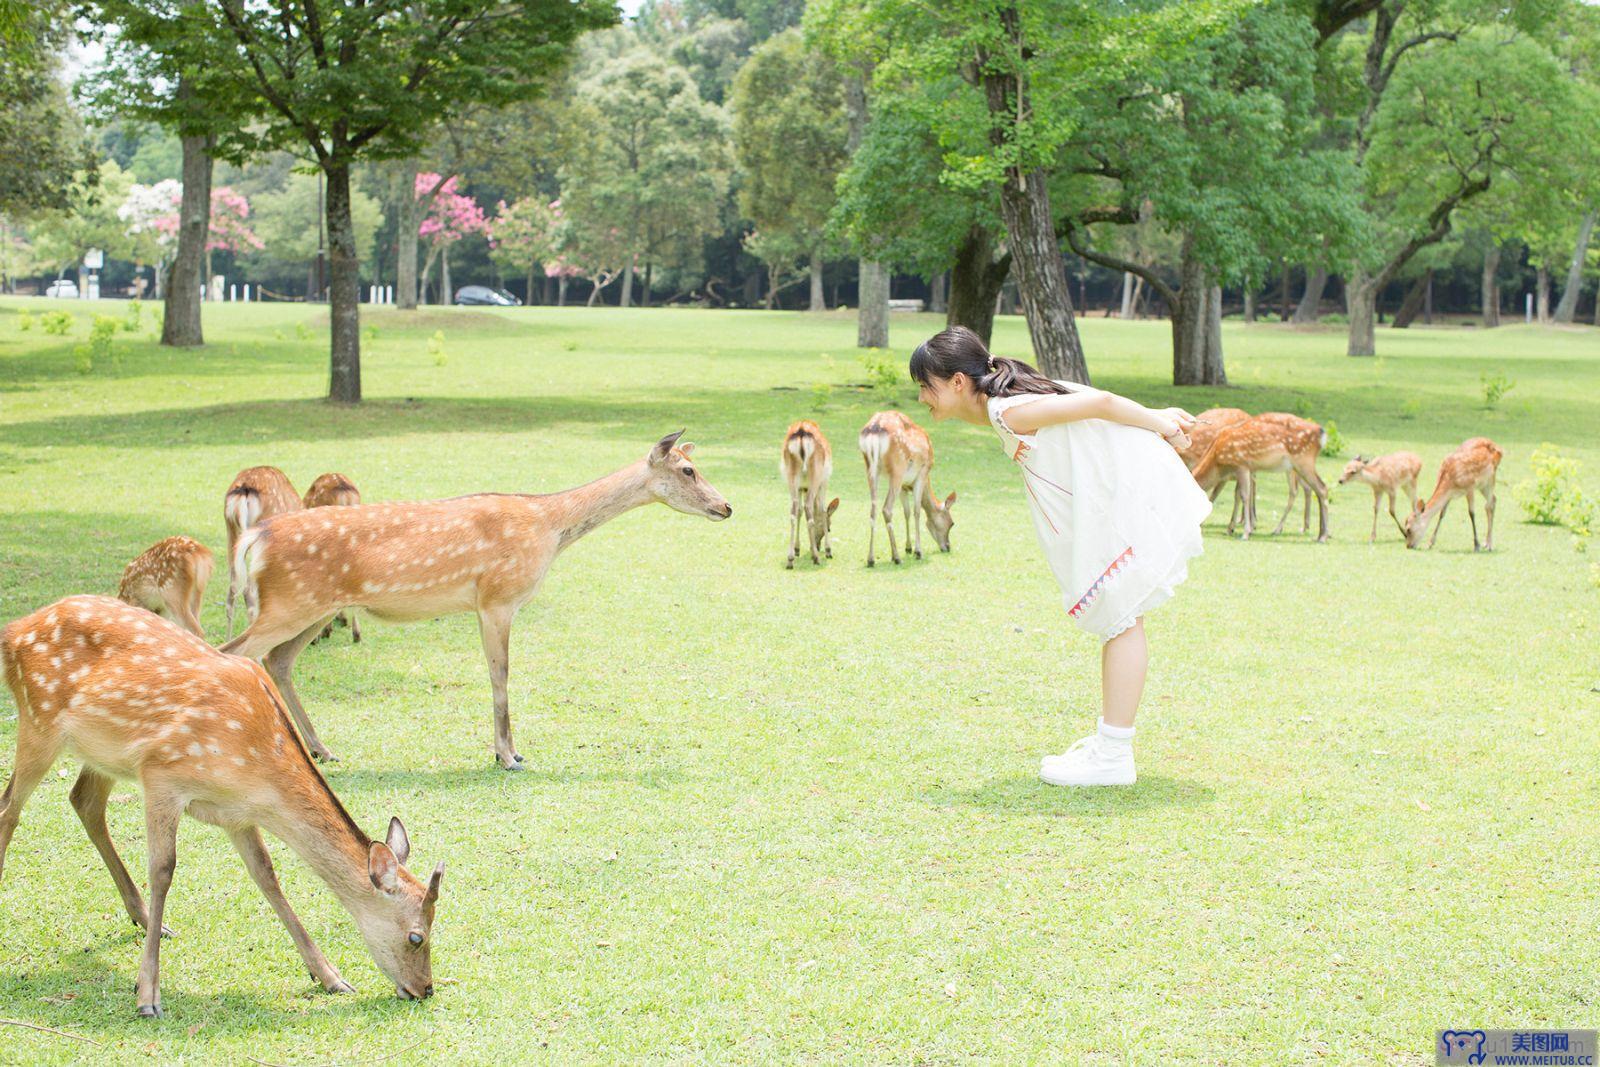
(99, 346)
(1494, 388)
(56, 323)
(1547, 497)
(1336, 443)
(24, 320)
(885, 373)
(130, 322)
(436, 349)
(1411, 409)
(302, 331)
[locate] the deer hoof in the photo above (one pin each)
(789, 564)
(919, 555)
(340, 986)
(828, 553)
(513, 764)
(869, 563)
(324, 756)
(149, 1011)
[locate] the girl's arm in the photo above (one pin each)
(1094, 404)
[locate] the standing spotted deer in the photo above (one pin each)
(486, 554)
(169, 578)
(807, 464)
(1266, 444)
(257, 493)
(203, 734)
(1470, 468)
(334, 491)
(898, 452)
(1386, 475)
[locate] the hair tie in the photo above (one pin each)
(992, 365)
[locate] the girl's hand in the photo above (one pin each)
(1184, 420)
(1173, 432)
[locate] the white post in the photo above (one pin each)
(233, 293)
(247, 292)
(388, 294)
(1528, 310)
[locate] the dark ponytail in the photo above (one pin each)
(958, 350)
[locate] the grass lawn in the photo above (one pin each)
(783, 816)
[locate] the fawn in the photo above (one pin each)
(1263, 444)
(807, 464)
(334, 490)
(256, 493)
(897, 449)
(485, 554)
(169, 578)
(203, 733)
(1386, 474)
(1471, 467)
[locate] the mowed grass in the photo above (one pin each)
(780, 816)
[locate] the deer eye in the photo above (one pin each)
(415, 938)
(688, 472)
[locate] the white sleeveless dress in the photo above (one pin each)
(1117, 513)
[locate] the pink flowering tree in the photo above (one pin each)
(149, 215)
(230, 230)
(525, 235)
(451, 216)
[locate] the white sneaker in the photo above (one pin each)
(1091, 761)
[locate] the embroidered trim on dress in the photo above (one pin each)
(1099, 583)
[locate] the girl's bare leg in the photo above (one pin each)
(1123, 662)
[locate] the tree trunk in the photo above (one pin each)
(649, 277)
(561, 291)
(1567, 308)
(1283, 316)
(447, 292)
(627, 283)
(872, 320)
(1197, 326)
(939, 298)
(180, 324)
(529, 295)
(1360, 298)
(818, 301)
(344, 290)
(405, 295)
(772, 286)
(1249, 303)
(1427, 301)
(1491, 287)
(1542, 300)
(1411, 306)
(1042, 276)
(1311, 299)
(975, 281)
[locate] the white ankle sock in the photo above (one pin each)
(1116, 735)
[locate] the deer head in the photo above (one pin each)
(676, 483)
(939, 520)
(396, 919)
(1416, 524)
(1354, 469)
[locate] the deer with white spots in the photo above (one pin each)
(204, 734)
(807, 464)
(334, 491)
(486, 554)
(1267, 443)
(1470, 468)
(898, 452)
(257, 493)
(169, 578)
(1386, 475)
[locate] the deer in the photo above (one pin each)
(1263, 444)
(169, 578)
(807, 463)
(486, 554)
(205, 734)
(1386, 475)
(1470, 468)
(897, 449)
(334, 490)
(257, 493)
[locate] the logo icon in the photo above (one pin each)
(1461, 1046)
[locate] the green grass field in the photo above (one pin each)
(782, 816)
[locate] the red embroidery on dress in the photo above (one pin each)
(1099, 583)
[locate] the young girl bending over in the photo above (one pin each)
(1117, 514)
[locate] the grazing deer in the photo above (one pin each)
(1266, 444)
(257, 493)
(205, 734)
(485, 554)
(807, 464)
(1471, 467)
(169, 578)
(897, 449)
(1206, 426)
(334, 491)
(1386, 474)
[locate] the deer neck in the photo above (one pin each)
(929, 502)
(582, 509)
(312, 822)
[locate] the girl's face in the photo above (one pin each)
(955, 397)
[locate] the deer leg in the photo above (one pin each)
(888, 521)
(182, 610)
(1375, 494)
(1442, 509)
(280, 663)
(259, 863)
(1306, 467)
(1488, 507)
(161, 814)
(494, 624)
(36, 750)
(1237, 514)
(1247, 488)
(1393, 515)
(1472, 517)
(907, 498)
(89, 796)
(1294, 487)
(355, 626)
(872, 513)
(794, 527)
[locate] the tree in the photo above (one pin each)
(525, 235)
(149, 215)
(341, 83)
(790, 130)
(45, 147)
(63, 238)
(451, 216)
(288, 224)
(655, 167)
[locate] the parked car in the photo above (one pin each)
(483, 295)
(62, 287)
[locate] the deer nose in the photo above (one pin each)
(428, 992)
(727, 510)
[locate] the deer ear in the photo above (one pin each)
(664, 447)
(397, 840)
(951, 499)
(687, 448)
(433, 884)
(833, 505)
(383, 868)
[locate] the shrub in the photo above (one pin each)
(1546, 497)
(1411, 409)
(884, 372)
(1336, 443)
(56, 322)
(130, 322)
(436, 349)
(1495, 388)
(99, 346)
(302, 331)
(24, 320)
